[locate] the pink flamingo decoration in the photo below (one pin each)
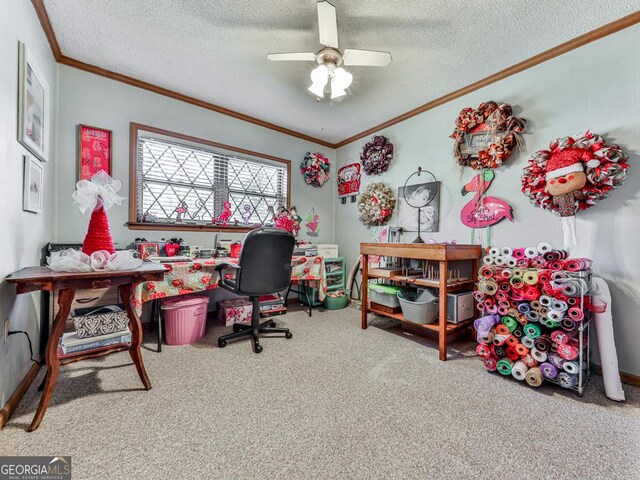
(226, 213)
(482, 211)
(181, 210)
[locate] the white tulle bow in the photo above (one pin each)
(101, 188)
(72, 260)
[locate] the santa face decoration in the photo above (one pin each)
(573, 174)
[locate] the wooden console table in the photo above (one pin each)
(443, 254)
(33, 279)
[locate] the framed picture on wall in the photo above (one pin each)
(33, 185)
(33, 105)
(149, 250)
(94, 151)
(418, 195)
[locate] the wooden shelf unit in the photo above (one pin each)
(441, 253)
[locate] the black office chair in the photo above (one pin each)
(264, 268)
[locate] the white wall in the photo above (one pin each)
(23, 233)
(94, 100)
(595, 87)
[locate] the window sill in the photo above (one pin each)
(186, 227)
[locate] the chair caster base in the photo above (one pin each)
(221, 343)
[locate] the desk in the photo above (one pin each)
(441, 253)
(182, 278)
(33, 279)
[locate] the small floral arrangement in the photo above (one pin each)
(376, 155)
(315, 169)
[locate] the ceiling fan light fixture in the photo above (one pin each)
(341, 79)
(319, 79)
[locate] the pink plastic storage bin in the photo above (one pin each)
(185, 319)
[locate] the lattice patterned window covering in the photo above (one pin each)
(183, 183)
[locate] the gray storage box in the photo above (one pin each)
(460, 307)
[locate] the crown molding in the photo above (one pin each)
(556, 51)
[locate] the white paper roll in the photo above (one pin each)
(494, 251)
(530, 252)
(511, 262)
(606, 342)
(519, 370)
(498, 261)
(506, 251)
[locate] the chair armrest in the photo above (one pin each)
(224, 283)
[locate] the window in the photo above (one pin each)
(185, 182)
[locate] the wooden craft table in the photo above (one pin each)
(33, 279)
(442, 253)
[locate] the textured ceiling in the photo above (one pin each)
(216, 50)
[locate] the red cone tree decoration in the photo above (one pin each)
(99, 235)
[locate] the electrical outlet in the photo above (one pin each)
(6, 330)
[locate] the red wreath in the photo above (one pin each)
(489, 116)
(609, 172)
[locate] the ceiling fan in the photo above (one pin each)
(330, 60)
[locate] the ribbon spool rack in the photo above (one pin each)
(535, 326)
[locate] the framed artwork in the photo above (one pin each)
(33, 185)
(149, 250)
(94, 151)
(33, 106)
(419, 195)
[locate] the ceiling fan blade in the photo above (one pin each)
(366, 58)
(327, 24)
(287, 57)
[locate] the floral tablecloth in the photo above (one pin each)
(199, 275)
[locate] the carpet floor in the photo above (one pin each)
(334, 402)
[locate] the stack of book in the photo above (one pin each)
(271, 305)
(70, 345)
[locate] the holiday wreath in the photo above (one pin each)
(603, 167)
(486, 136)
(315, 169)
(376, 204)
(376, 155)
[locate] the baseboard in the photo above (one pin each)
(12, 403)
(627, 378)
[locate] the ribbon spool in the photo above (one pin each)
(523, 263)
(575, 314)
(511, 341)
(531, 330)
(534, 377)
(532, 316)
(511, 262)
(518, 253)
(511, 353)
(544, 277)
(542, 343)
(543, 247)
(530, 278)
(554, 348)
(488, 338)
(568, 324)
(567, 380)
(560, 337)
(505, 273)
(559, 305)
(530, 252)
(547, 322)
(504, 366)
(556, 265)
(521, 350)
(556, 360)
(538, 262)
(571, 367)
(483, 351)
(510, 323)
(502, 329)
(513, 312)
(490, 363)
(487, 259)
(516, 282)
(502, 297)
(538, 355)
(519, 370)
(524, 307)
(527, 342)
(504, 287)
(568, 351)
(518, 333)
(498, 261)
(535, 304)
(478, 296)
(548, 370)
(506, 251)
(494, 251)
(488, 287)
(498, 351)
(545, 300)
(572, 301)
(529, 361)
(486, 272)
(543, 311)
(503, 309)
